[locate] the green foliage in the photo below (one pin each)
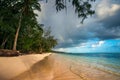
(43, 42)
(82, 7)
(7, 23)
(32, 36)
(48, 40)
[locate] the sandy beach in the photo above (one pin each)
(11, 67)
(68, 70)
(53, 67)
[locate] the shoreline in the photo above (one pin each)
(83, 71)
(57, 67)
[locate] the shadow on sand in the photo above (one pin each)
(42, 70)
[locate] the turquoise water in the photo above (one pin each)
(104, 61)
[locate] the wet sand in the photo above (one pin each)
(65, 69)
(56, 67)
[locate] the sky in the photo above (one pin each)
(98, 33)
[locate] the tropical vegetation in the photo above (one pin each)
(19, 29)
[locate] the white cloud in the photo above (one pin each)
(98, 44)
(69, 32)
(83, 45)
(61, 49)
(105, 9)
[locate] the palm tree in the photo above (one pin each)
(21, 12)
(26, 9)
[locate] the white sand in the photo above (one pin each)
(10, 67)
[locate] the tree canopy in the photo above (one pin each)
(83, 8)
(19, 27)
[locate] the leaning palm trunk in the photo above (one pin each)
(4, 42)
(17, 33)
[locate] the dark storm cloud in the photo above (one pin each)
(67, 29)
(70, 44)
(112, 21)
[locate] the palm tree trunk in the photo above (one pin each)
(4, 42)
(17, 33)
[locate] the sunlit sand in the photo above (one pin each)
(12, 66)
(54, 67)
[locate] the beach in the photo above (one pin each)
(67, 69)
(11, 67)
(53, 67)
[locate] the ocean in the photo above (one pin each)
(108, 62)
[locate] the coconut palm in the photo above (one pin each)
(26, 9)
